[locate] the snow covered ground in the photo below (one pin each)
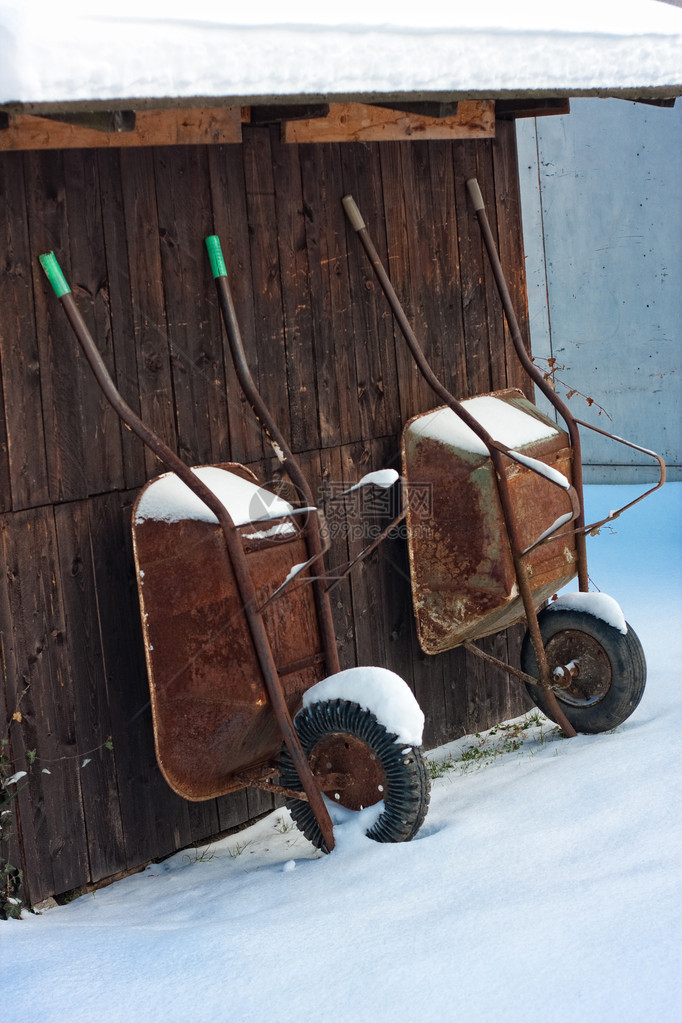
(544, 886)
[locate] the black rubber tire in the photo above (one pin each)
(406, 779)
(612, 684)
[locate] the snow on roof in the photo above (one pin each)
(135, 49)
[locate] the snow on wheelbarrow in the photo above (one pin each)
(243, 670)
(500, 528)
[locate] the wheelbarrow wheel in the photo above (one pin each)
(609, 666)
(358, 763)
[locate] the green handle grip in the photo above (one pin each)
(54, 274)
(215, 255)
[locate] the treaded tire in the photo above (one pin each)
(404, 776)
(610, 686)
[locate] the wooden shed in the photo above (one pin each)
(124, 192)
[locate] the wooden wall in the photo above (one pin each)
(127, 227)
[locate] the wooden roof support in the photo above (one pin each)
(512, 108)
(361, 122)
(98, 120)
(196, 126)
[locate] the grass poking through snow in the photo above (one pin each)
(519, 737)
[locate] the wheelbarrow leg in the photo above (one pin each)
(527, 594)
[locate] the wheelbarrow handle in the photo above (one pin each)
(353, 213)
(475, 194)
(533, 372)
(272, 433)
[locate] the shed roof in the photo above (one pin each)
(74, 55)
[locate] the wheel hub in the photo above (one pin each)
(588, 679)
(348, 771)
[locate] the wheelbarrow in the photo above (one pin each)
(243, 669)
(505, 530)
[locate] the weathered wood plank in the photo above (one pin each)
(147, 298)
(298, 325)
(403, 271)
(94, 745)
(510, 246)
(362, 514)
(58, 349)
(233, 810)
(203, 819)
(185, 219)
(426, 274)
(327, 383)
(118, 294)
(472, 275)
(100, 426)
(5, 485)
(259, 803)
(447, 286)
(360, 122)
(23, 460)
(373, 338)
(39, 682)
(194, 126)
(337, 385)
(494, 314)
(13, 746)
(455, 704)
(266, 275)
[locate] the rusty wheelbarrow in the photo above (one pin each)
(241, 656)
(502, 529)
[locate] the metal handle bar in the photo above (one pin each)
(571, 421)
(496, 450)
(274, 435)
(243, 578)
(534, 373)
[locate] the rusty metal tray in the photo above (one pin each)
(462, 572)
(211, 713)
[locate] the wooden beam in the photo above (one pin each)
(276, 114)
(109, 121)
(509, 109)
(359, 122)
(196, 126)
(425, 108)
